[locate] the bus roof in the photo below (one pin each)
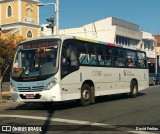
(63, 37)
(70, 37)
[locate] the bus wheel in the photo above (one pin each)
(133, 89)
(86, 95)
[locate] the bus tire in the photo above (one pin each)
(86, 95)
(133, 89)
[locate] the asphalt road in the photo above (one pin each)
(110, 114)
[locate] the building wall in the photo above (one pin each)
(4, 17)
(157, 37)
(25, 17)
(25, 30)
(107, 30)
(99, 30)
(29, 16)
(149, 43)
(44, 30)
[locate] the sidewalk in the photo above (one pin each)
(6, 96)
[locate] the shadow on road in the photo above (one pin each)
(45, 106)
(52, 107)
(49, 107)
(115, 97)
(47, 123)
(69, 104)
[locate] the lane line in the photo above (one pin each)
(54, 119)
(79, 122)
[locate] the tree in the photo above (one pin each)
(7, 50)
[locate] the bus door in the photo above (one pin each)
(69, 67)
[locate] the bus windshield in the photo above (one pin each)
(36, 60)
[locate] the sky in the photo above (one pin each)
(76, 13)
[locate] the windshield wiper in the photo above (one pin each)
(25, 71)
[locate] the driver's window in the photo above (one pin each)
(69, 53)
(69, 57)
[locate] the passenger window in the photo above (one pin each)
(131, 58)
(108, 56)
(87, 53)
(142, 63)
(119, 57)
(92, 54)
(83, 55)
(100, 55)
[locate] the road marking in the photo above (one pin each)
(79, 122)
(54, 119)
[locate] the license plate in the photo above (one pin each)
(30, 96)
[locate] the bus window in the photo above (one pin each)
(92, 54)
(83, 55)
(119, 57)
(141, 60)
(131, 58)
(100, 55)
(108, 56)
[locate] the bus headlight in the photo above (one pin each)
(50, 85)
(12, 87)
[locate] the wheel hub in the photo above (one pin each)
(86, 95)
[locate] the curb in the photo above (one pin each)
(6, 93)
(6, 97)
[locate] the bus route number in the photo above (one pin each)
(97, 73)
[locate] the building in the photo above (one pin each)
(157, 37)
(112, 30)
(44, 31)
(149, 45)
(19, 17)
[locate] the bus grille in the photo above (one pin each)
(31, 89)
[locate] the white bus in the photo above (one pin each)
(60, 68)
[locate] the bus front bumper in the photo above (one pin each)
(52, 95)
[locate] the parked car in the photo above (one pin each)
(157, 77)
(152, 80)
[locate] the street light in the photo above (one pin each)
(56, 10)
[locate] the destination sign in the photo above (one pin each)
(29, 45)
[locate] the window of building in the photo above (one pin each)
(148, 45)
(126, 41)
(9, 11)
(29, 34)
(42, 28)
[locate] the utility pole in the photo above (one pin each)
(56, 10)
(57, 17)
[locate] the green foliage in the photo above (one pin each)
(7, 50)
